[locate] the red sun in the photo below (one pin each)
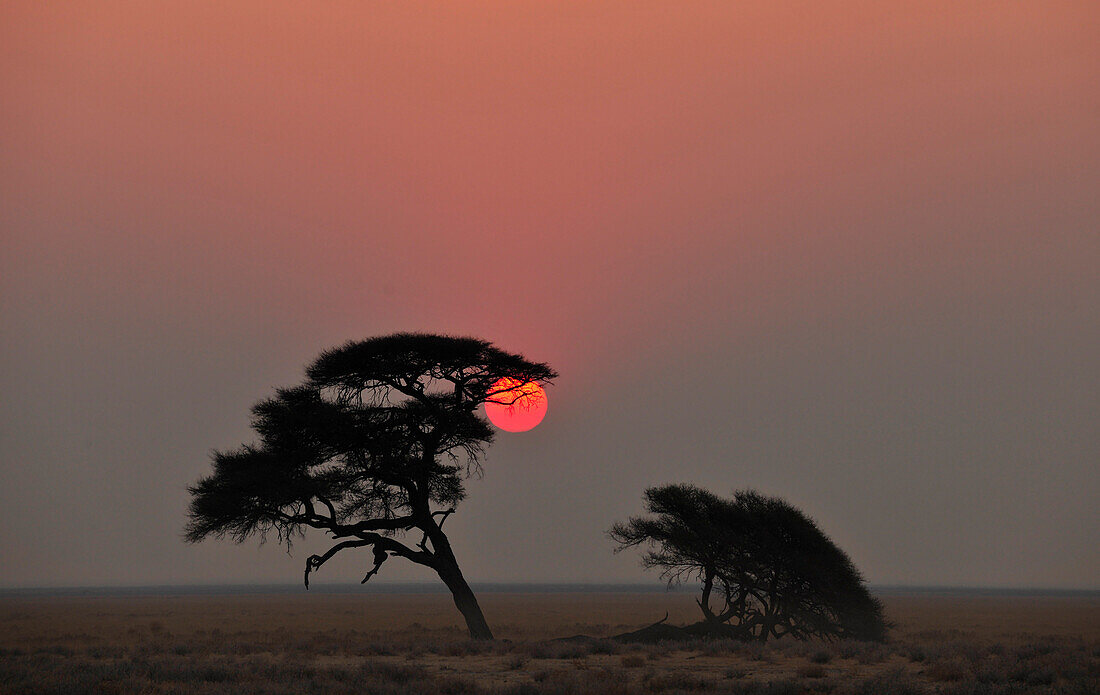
(515, 406)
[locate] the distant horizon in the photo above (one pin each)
(428, 587)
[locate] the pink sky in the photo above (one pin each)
(845, 253)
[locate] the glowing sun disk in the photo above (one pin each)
(515, 406)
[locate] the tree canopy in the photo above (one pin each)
(773, 571)
(376, 443)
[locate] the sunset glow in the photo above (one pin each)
(844, 253)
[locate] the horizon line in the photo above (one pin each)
(421, 587)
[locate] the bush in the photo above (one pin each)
(896, 682)
(679, 680)
(949, 670)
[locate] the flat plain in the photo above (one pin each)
(374, 642)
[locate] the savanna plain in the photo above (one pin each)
(383, 643)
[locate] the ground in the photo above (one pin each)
(412, 643)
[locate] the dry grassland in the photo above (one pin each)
(412, 643)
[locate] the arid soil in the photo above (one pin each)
(413, 643)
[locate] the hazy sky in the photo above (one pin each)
(844, 253)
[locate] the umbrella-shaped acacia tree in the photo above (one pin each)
(375, 445)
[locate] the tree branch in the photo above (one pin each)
(382, 545)
(314, 562)
(397, 523)
(443, 514)
(331, 508)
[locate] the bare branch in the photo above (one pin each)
(314, 562)
(443, 514)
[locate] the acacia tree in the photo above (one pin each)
(375, 445)
(771, 569)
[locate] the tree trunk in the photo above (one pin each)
(771, 619)
(704, 602)
(765, 632)
(465, 601)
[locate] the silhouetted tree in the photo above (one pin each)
(774, 572)
(374, 445)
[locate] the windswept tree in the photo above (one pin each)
(766, 565)
(374, 448)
